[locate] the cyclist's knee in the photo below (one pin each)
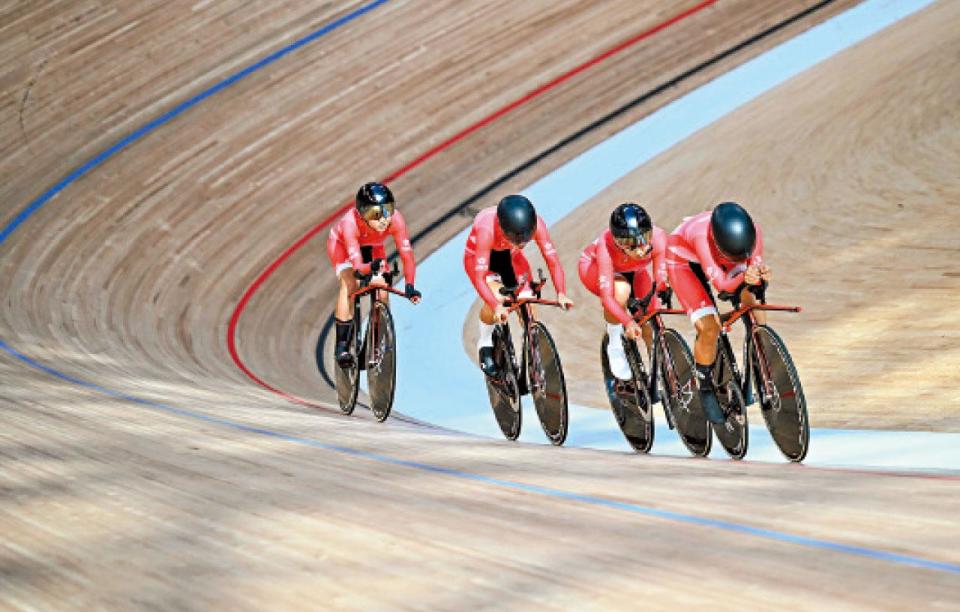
(347, 280)
(621, 290)
(486, 314)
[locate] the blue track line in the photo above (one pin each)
(677, 517)
(139, 133)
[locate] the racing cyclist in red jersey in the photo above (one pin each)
(724, 248)
(354, 242)
(614, 268)
(494, 258)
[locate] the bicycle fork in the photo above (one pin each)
(747, 389)
(753, 356)
(655, 367)
(376, 346)
(534, 383)
(768, 391)
(671, 386)
(373, 360)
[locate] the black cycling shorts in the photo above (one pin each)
(501, 263)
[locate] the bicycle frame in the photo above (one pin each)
(524, 310)
(751, 349)
(374, 291)
(659, 342)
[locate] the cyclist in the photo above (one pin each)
(354, 243)
(724, 248)
(494, 258)
(614, 268)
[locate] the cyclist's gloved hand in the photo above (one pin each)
(752, 275)
(666, 297)
(632, 330)
(411, 294)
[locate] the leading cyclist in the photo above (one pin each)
(722, 247)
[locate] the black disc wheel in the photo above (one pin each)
(678, 391)
(782, 402)
(546, 384)
(629, 400)
(733, 434)
(503, 389)
(348, 380)
(381, 357)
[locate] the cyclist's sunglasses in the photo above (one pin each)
(634, 245)
(377, 213)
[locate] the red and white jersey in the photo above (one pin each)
(486, 236)
(602, 260)
(691, 242)
(352, 232)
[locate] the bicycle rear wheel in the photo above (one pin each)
(733, 434)
(629, 400)
(348, 379)
(782, 402)
(381, 362)
(503, 389)
(680, 395)
(547, 384)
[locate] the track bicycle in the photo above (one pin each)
(672, 375)
(770, 367)
(376, 352)
(540, 373)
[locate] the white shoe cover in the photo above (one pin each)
(619, 366)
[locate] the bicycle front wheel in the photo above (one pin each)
(680, 394)
(782, 402)
(381, 361)
(629, 400)
(547, 385)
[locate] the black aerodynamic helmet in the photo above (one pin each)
(517, 217)
(631, 226)
(374, 200)
(733, 231)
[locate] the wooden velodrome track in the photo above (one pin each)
(177, 482)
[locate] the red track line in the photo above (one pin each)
(248, 294)
(550, 85)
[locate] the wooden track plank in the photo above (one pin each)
(127, 280)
